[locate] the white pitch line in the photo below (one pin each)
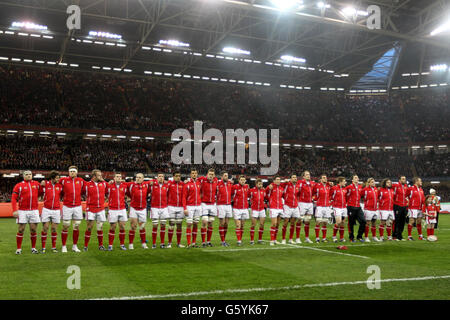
(328, 251)
(284, 247)
(294, 287)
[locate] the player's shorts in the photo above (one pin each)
(340, 212)
(72, 213)
(209, 210)
(289, 212)
(387, 215)
(415, 213)
(275, 213)
(370, 215)
(28, 216)
(305, 208)
(224, 211)
(258, 214)
(97, 216)
(431, 220)
(49, 215)
(141, 215)
(194, 211)
(160, 213)
(323, 212)
(176, 212)
(241, 214)
(117, 215)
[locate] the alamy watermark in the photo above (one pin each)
(74, 280)
(374, 280)
(255, 141)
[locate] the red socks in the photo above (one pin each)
(381, 230)
(389, 230)
(335, 229)
(194, 233)
(87, 237)
(261, 231)
(188, 235)
(291, 232)
(75, 235)
(64, 235)
(366, 232)
(298, 228)
(409, 230)
(272, 233)
(374, 231)
(317, 229)
(33, 240)
(100, 237)
(43, 238)
(203, 232)
(111, 236)
(154, 234)
(222, 233)
(122, 237)
(19, 238)
(131, 234)
(210, 231)
(252, 233)
(54, 236)
(162, 233)
(324, 232)
(179, 234)
(283, 233)
(419, 228)
(307, 230)
(341, 231)
(170, 234)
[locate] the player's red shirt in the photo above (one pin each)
(175, 193)
(208, 190)
(386, 199)
(338, 197)
(26, 192)
(436, 201)
(290, 194)
(224, 192)
(400, 194)
(370, 196)
(257, 197)
(322, 193)
(95, 195)
(116, 195)
(138, 193)
(416, 198)
(354, 194)
(72, 191)
(432, 210)
(159, 194)
(191, 193)
(52, 195)
(240, 196)
(275, 196)
(305, 191)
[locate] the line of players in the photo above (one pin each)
(199, 200)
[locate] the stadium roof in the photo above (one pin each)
(338, 50)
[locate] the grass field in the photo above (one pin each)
(307, 271)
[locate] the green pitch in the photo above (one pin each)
(280, 272)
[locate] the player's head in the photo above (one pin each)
(194, 174)
(306, 175)
(277, 180)
(402, 179)
(160, 177)
(96, 175)
(54, 176)
(432, 192)
(294, 178)
(117, 177)
(73, 171)
(177, 176)
(242, 180)
(27, 175)
(323, 178)
(341, 181)
(417, 181)
(429, 199)
(259, 183)
(224, 176)
(139, 177)
(370, 182)
(386, 183)
(211, 174)
(355, 179)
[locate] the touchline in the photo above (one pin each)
(257, 144)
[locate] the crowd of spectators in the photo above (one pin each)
(61, 98)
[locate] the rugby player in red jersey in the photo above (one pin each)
(192, 208)
(386, 207)
(274, 194)
(416, 206)
(321, 192)
(240, 206)
(224, 209)
(290, 208)
(339, 204)
(175, 207)
(370, 196)
(117, 212)
(257, 196)
(305, 205)
(160, 213)
(208, 191)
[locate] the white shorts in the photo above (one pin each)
(431, 220)
(160, 213)
(415, 213)
(194, 212)
(117, 215)
(28, 216)
(340, 212)
(141, 215)
(97, 216)
(305, 208)
(323, 212)
(209, 210)
(370, 215)
(387, 215)
(51, 215)
(258, 214)
(176, 212)
(241, 214)
(274, 213)
(74, 213)
(289, 212)
(224, 211)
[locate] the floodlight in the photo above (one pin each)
(28, 25)
(233, 50)
(174, 43)
(289, 58)
(287, 4)
(440, 29)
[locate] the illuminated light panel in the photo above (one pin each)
(233, 50)
(174, 43)
(102, 34)
(292, 59)
(28, 25)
